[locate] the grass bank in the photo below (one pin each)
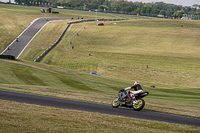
(19, 117)
(124, 49)
(48, 80)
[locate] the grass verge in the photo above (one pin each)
(19, 117)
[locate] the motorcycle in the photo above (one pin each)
(137, 104)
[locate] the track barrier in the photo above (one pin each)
(52, 46)
(10, 57)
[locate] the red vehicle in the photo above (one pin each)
(100, 24)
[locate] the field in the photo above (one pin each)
(120, 53)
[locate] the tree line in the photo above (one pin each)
(124, 6)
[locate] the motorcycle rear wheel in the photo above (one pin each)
(115, 102)
(140, 105)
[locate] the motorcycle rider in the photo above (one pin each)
(124, 92)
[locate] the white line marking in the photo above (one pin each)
(20, 35)
(32, 39)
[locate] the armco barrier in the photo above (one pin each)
(52, 46)
(10, 57)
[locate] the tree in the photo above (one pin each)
(162, 12)
(178, 14)
(102, 7)
(168, 13)
(146, 9)
(155, 11)
(115, 5)
(128, 9)
(195, 5)
(124, 5)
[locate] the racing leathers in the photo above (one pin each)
(125, 93)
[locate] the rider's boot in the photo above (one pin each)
(134, 100)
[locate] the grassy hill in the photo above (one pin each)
(120, 53)
(123, 50)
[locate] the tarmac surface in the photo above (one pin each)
(97, 108)
(22, 41)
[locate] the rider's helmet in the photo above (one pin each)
(136, 83)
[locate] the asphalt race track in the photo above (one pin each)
(17, 47)
(93, 107)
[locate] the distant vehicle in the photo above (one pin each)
(183, 18)
(160, 16)
(42, 10)
(61, 7)
(100, 24)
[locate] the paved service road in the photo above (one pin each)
(93, 107)
(17, 47)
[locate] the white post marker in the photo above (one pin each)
(96, 14)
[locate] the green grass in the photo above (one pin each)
(25, 75)
(120, 53)
(19, 117)
(42, 79)
(172, 53)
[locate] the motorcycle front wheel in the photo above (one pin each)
(139, 105)
(115, 102)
